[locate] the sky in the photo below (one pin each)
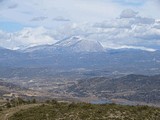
(120, 19)
(49, 13)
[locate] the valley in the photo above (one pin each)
(126, 89)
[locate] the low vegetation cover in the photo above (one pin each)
(52, 110)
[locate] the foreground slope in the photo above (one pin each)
(83, 111)
(4, 115)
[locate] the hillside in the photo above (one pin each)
(137, 88)
(7, 88)
(82, 111)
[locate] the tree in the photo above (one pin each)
(54, 101)
(34, 101)
(8, 105)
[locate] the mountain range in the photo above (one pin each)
(77, 53)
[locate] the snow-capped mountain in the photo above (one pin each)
(79, 44)
(72, 44)
(40, 48)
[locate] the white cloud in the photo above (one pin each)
(128, 13)
(61, 19)
(41, 18)
(26, 37)
(13, 6)
(77, 11)
(151, 8)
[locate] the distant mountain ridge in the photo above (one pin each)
(76, 53)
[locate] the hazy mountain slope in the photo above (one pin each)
(119, 61)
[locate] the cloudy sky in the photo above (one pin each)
(115, 23)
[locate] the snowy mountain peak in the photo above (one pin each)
(79, 44)
(72, 44)
(69, 42)
(76, 37)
